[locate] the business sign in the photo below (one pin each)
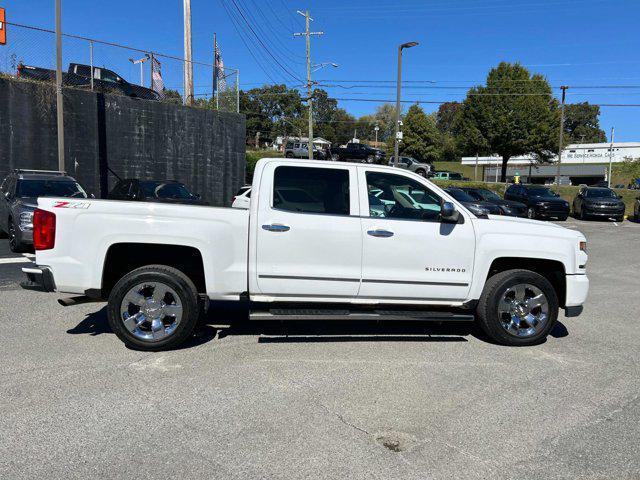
(3, 28)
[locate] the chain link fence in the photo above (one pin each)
(30, 55)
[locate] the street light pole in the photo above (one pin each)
(396, 147)
(564, 95)
(59, 102)
(610, 159)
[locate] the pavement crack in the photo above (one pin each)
(339, 416)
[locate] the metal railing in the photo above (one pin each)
(35, 47)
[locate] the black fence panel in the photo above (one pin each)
(204, 149)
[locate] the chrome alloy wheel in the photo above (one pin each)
(523, 310)
(151, 311)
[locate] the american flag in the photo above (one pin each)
(218, 74)
(157, 83)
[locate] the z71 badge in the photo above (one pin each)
(83, 205)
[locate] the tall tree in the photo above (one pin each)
(272, 110)
(582, 122)
(420, 135)
(513, 114)
(447, 115)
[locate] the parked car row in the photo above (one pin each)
(20, 190)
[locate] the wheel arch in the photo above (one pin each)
(122, 258)
(553, 270)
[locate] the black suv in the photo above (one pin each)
(541, 201)
(167, 191)
(479, 208)
(19, 198)
(508, 207)
(598, 202)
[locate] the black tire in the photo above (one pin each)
(288, 155)
(421, 172)
(15, 245)
(531, 213)
(494, 289)
(171, 277)
(620, 219)
(563, 218)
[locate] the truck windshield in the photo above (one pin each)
(49, 188)
(165, 190)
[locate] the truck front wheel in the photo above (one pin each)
(153, 308)
(518, 308)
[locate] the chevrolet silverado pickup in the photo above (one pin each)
(319, 241)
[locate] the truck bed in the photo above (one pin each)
(87, 229)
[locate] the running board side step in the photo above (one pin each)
(375, 315)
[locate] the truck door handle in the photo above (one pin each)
(380, 233)
(276, 227)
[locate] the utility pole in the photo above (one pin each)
(610, 159)
(188, 65)
(396, 147)
(308, 34)
(59, 102)
(564, 96)
(376, 128)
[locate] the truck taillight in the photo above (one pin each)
(44, 229)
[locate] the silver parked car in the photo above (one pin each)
(301, 150)
(413, 165)
(19, 195)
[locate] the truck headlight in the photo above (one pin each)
(26, 221)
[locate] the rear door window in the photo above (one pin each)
(311, 190)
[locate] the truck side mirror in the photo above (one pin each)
(448, 213)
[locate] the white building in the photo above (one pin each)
(580, 163)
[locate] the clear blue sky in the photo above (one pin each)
(576, 43)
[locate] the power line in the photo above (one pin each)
(238, 31)
(266, 49)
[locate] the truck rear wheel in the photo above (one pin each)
(153, 308)
(518, 308)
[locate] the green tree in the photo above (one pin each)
(272, 110)
(446, 117)
(513, 114)
(420, 135)
(582, 122)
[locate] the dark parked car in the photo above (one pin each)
(541, 201)
(358, 152)
(508, 207)
(600, 202)
(477, 207)
(168, 191)
(20, 191)
(79, 75)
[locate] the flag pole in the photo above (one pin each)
(215, 68)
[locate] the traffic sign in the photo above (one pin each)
(3, 27)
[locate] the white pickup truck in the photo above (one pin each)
(320, 240)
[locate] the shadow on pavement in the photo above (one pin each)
(231, 320)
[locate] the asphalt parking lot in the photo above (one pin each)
(355, 400)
